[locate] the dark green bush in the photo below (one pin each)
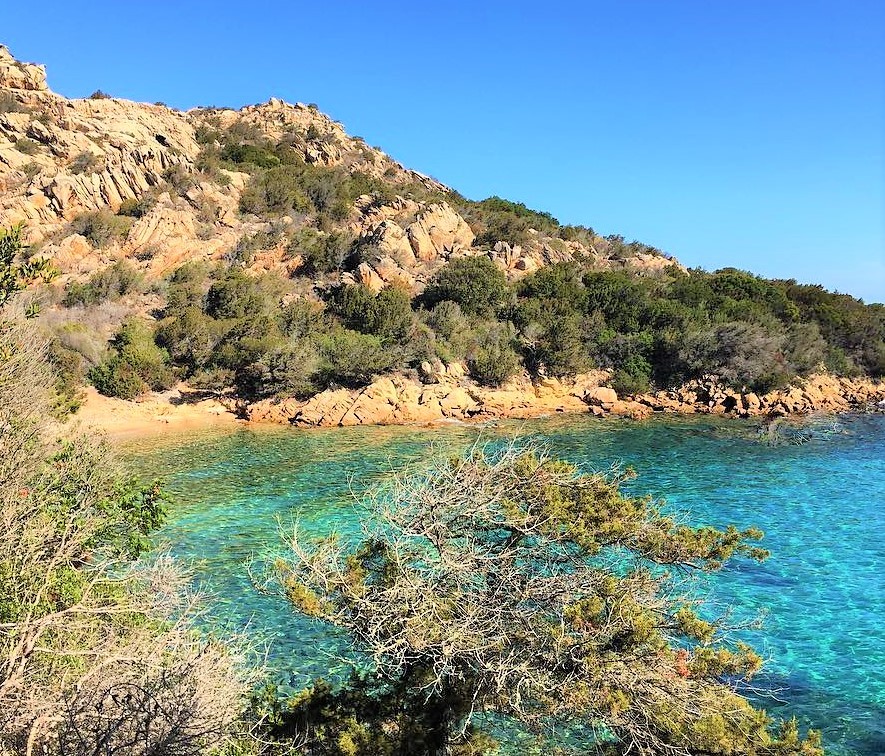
(474, 283)
(289, 370)
(494, 359)
(251, 154)
(135, 364)
(27, 146)
(321, 252)
(137, 208)
(387, 314)
(274, 192)
(351, 358)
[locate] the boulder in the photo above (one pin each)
(439, 231)
(391, 241)
(602, 396)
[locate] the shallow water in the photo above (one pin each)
(821, 505)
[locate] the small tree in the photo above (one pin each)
(510, 582)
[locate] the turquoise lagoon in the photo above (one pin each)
(821, 505)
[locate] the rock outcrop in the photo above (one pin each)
(448, 395)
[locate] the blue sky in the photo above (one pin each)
(749, 134)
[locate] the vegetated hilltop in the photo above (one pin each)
(265, 250)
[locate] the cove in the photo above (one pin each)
(821, 505)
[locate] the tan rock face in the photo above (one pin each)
(16, 75)
(391, 241)
(438, 232)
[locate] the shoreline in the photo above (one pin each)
(398, 400)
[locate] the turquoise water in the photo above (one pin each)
(821, 505)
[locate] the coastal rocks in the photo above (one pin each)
(391, 241)
(398, 400)
(817, 393)
(602, 396)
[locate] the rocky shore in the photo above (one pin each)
(447, 394)
(452, 397)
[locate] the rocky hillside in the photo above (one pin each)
(265, 255)
(181, 187)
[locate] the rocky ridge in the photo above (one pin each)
(62, 158)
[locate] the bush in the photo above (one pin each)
(475, 283)
(102, 227)
(236, 295)
(249, 154)
(137, 208)
(352, 359)
(27, 146)
(741, 355)
(117, 280)
(508, 582)
(274, 192)
(387, 314)
(321, 252)
(493, 360)
(289, 370)
(135, 365)
(86, 162)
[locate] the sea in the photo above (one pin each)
(816, 488)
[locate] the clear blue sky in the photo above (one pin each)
(743, 133)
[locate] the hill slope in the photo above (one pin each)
(264, 252)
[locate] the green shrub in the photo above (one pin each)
(135, 364)
(387, 314)
(86, 162)
(101, 228)
(275, 191)
(498, 219)
(236, 295)
(117, 280)
(250, 154)
(494, 359)
(321, 252)
(289, 370)
(27, 146)
(475, 283)
(351, 358)
(137, 208)
(302, 318)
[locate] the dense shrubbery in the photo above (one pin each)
(134, 365)
(99, 649)
(578, 637)
(223, 328)
(476, 284)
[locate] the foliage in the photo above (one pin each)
(101, 228)
(493, 358)
(15, 273)
(386, 314)
(27, 146)
(510, 582)
(351, 358)
(498, 219)
(321, 252)
(135, 364)
(98, 654)
(476, 284)
(108, 284)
